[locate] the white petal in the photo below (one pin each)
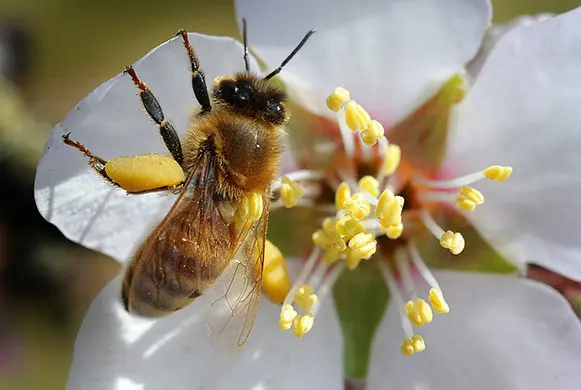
(389, 54)
(501, 333)
(112, 122)
(523, 111)
(117, 351)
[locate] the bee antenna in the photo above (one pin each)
(245, 39)
(291, 55)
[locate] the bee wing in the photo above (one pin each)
(186, 253)
(237, 294)
(111, 122)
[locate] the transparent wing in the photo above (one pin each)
(237, 293)
(111, 122)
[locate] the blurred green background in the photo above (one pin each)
(60, 50)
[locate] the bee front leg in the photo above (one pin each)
(140, 174)
(198, 78)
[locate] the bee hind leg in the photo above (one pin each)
(140, 174)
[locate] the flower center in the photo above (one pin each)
(371, 212)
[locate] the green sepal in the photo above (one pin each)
(361, 301)
(422, 134)
(478, 255)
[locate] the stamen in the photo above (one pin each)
(448, 239)
(300, 175)
(436, 296)
(355, 116)
(346, 134)
(362, 246)
(389, 209)
(358, 206)
(391, 160)
(413, 343)
(370, 185)
(342, 194)
(290, 192)
(372, 133)
(338, 98)
(305, 271)
(495, 172)
(417, 310)
(468, 198)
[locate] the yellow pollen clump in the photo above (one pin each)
(419, 312)
(342, 195)
(145, 172)
(290, 192)
(355, 116)
(373, 132)
(369, 184)
(413, 345)
(276, 282)
(287, 316)
(357, 206)
(389, 208)
(438, 302)
(303, 325)
(392, 159)
(338, 98)
(497, 173)
(452, 241)
(468, 198)
(250, 209)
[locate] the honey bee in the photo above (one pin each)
(231, 151)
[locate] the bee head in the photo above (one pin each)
(249, 95)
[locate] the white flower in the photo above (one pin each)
(502, 332)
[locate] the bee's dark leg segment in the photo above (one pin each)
(97, 163)
(198, 78)
(245, 39)
(168, 133)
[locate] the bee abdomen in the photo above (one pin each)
(154, 295)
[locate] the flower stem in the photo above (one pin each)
(355, 384)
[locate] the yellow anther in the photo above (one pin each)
(352, 260)
(276, 282)
(329, 225)
(452, 241)
(342, 195)
(338, 98)
(249, 209)
(358, 206)
(468, 198)
(303, 324)
(307, 302)
(413, 315)
(418, 343)
(372, 133)
(145, 172)
(347, 227)
(290, 192)
(393, 232)
(303, 291)
(320, 238)
(369, 184)
(389, 209)
(332, 255)
(392, 159)
(497, 173)
(438, 302)
(363, 245)
(419, 312)
(424, 311)
(407, 348)
(355, 116)
(287, 316)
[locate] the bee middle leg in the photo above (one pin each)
(153, 108)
